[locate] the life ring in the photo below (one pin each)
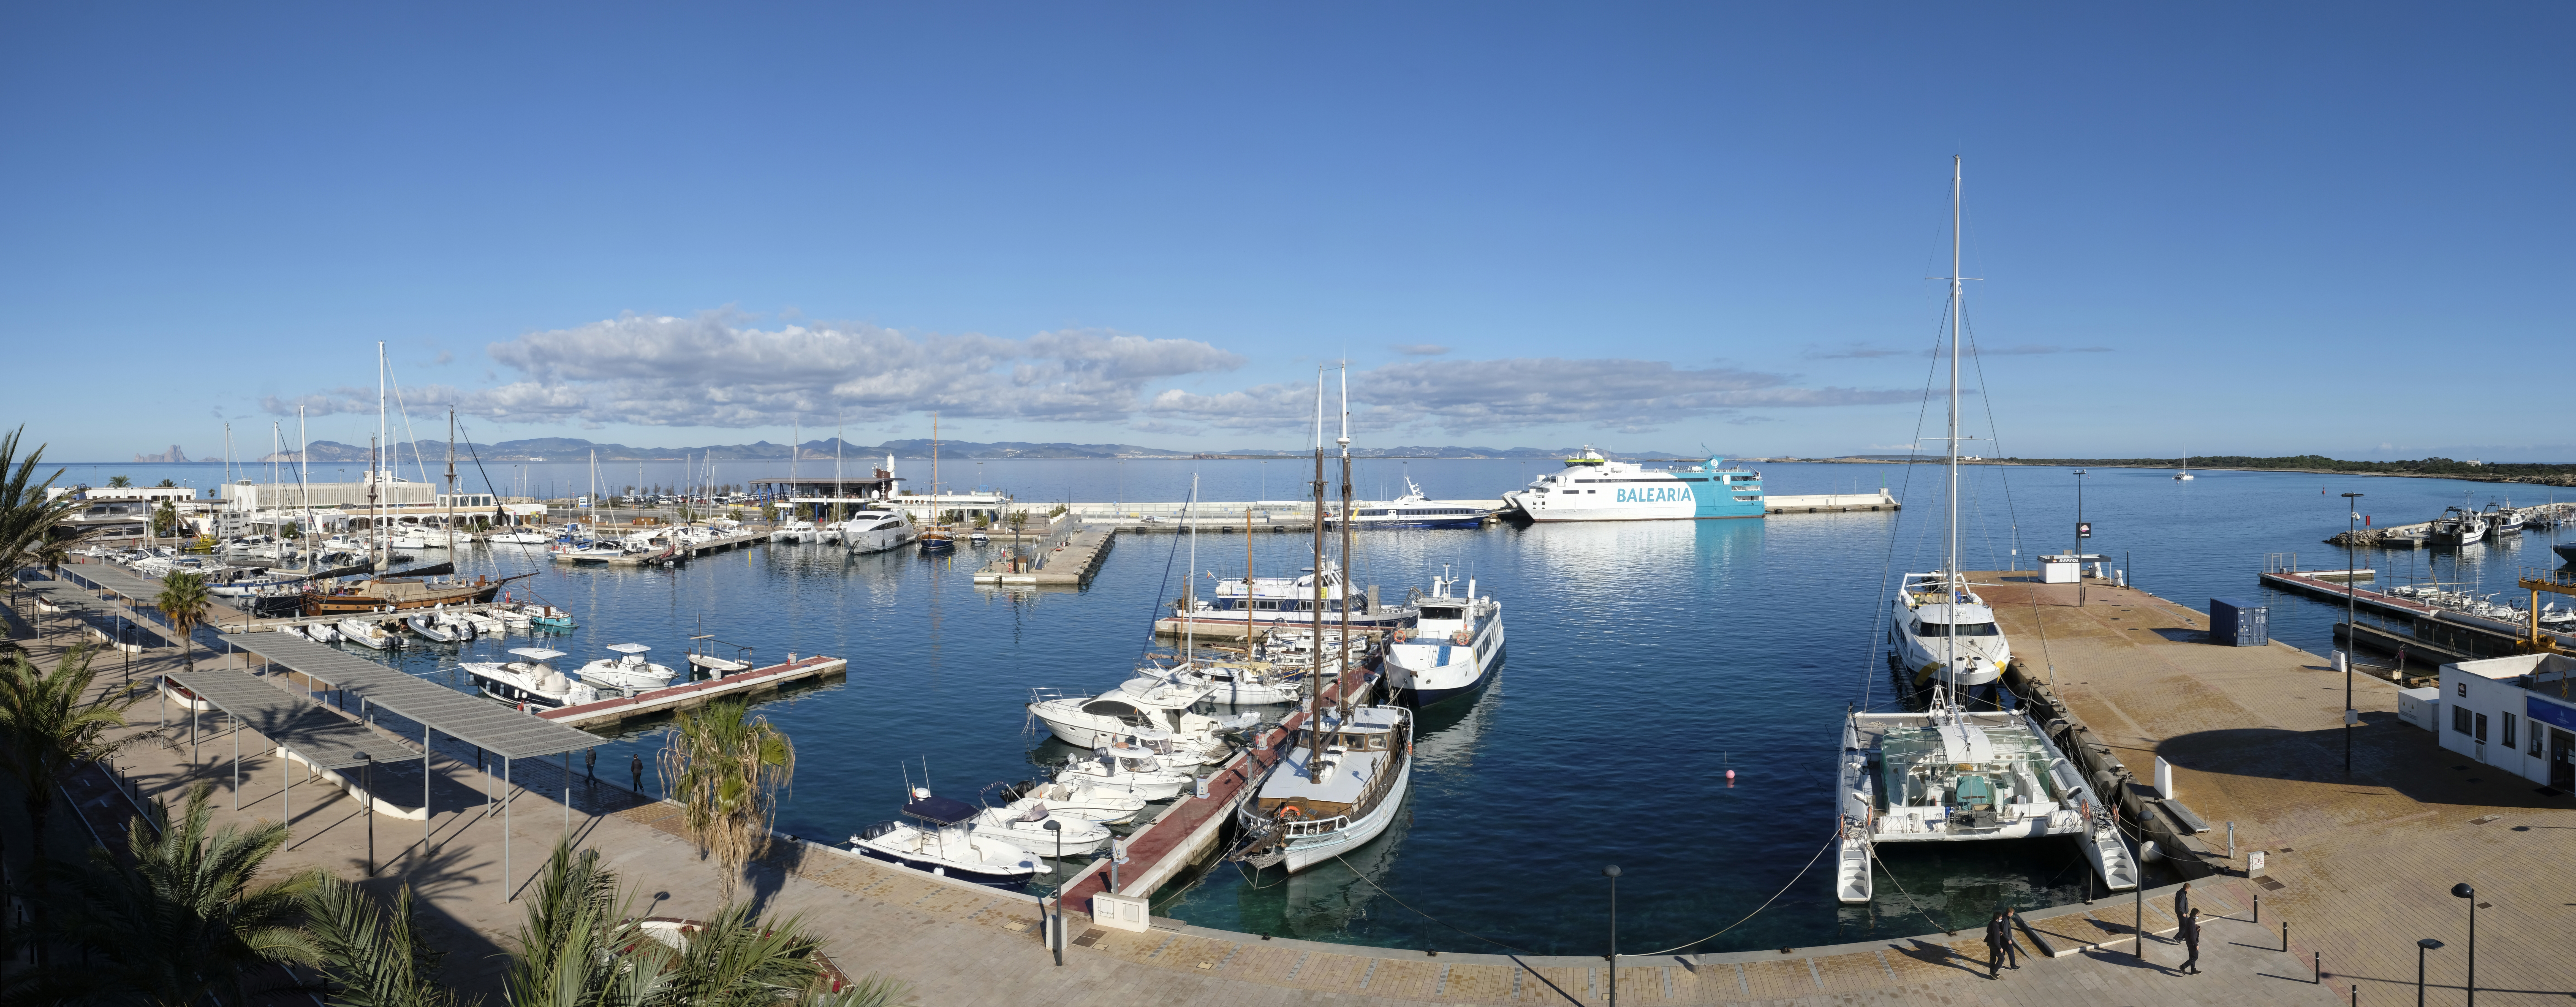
(1460, 638)
(1402, 635)
(1291, 812)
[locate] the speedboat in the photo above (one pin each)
(430, 628)
(793, 532)
(1594, 488)
(1137, 772)
(1238, 683)
(1452, 649)
(369, 634)
(629, 672)
(941, 838)
(1333, 789)
(1023, 823)
(1948, 775)
(530, 682)
(520, 536)
(321, 632)
(1108, 807)
(293, 631)
(1157, 705)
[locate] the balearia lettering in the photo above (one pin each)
(1659, 494)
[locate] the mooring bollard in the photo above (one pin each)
(2320, 967)
(2285, 936)
(2258, 909)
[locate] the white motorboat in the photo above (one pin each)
(482, 623)
(1157, 705)
(1452, 649)
(1946, 634)
(1331, 791)
(942, 839)
(1138, 772)
(520, 536)
(1023, 823)
(412, 539)
(293, 631)
(1413, 510)
(1264, 603)
(321, 632)
(1948, 775)
(629, 671)
(529, 682)
(877, 530)
(429, 627)
(2457, 527)
(1238, 683)
(793, 532)
(1594, 488)
(369, 634)
(1108, 807)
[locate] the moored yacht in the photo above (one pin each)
(1939, 630)
(1329, 793)
(1595, 488)
(1413, 510)
(369, 634)
(1285, 602)
(1452, 648)
(876, 530)
(531, 682)
(1948, 775)
(941, 838)
(627, 672)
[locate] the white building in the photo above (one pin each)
(2508, 712)
(389, 491)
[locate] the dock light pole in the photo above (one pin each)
(367, 782)
(1612, 872)
(2462, 890)
(2081, 533)
(2421, 946)
(1055, 934)
(2351, 629)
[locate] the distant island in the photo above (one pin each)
(2538, 473)
(174, 456)
(570, 449)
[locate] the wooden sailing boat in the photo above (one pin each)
(934, 532)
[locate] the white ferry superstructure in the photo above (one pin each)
(1594, 488)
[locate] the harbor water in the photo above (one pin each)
(1646, 660)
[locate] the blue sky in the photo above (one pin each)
(2259, 229)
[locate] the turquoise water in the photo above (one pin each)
(1645, 660)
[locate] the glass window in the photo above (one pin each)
(1965, 629)
(2508, 730)
(2460, 719)
(2535, 741)
(2482, 728)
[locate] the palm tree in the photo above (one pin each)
(376, 954)
(726, 772)
(180, 924)
(50, 725)
(184, 600)
(119, 482)
(27, 519)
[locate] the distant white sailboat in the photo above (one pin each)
(2185, 474)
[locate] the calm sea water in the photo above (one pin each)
(1645, 661)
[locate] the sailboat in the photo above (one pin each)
(2184, 476)
(1947, 774)
(934, 536)
(1343, 780)
(1940, 630)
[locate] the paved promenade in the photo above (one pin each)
(2366, 873)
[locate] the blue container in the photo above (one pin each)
(2236, 622)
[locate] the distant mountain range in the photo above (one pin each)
(568, 449)
(172, 456)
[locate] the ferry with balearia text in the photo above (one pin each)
(1594, 488)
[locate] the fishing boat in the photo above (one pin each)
(627, 672)
(2502, 519)
(366, 633)
(1594, 488)
(1414, 510)
(937, 540)
(529, 682)
(940, 838)
(1948, 775)
(2458, 526)
(1939, 629)
(1452, 648)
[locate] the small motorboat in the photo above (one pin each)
(428, 626)
(1076, 800)
(1024, 823)
(520, 536)
(321, 632)
(1139, 773)
(936, 540)
(628, 672)
(941, 838)
(369, 634)
(293, 631)
(979, 538)
(530, 682)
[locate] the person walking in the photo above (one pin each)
(2191, 940)
(2182, 901)
(635, 768)
(2012, 948)
(590, 764)
(1996, 938)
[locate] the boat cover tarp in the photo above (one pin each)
(432, 570)
(943, 810)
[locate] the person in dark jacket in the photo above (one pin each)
(2182, 901)
(2012, 948)
(1998, 935)
(635, 768)
(2191, 940)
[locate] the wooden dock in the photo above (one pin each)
(2453, 631)
(1070, 563)
(681, 697)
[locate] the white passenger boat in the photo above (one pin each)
(877, 530)
(1265, 603)
(530, 682)
(628, 672)
(369, 634)
(1412, 510)
(1948, 775)
(1453, 647)
(941, 839)
(1331, 791)
(1595, 488)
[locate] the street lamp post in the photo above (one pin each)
(2462, 890)
(1055, 934)
(367, 782)
(2080, 534)
(2351, 630)
(2427, 944)
(1612, 872)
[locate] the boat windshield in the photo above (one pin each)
(1965, 629)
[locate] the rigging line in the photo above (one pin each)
(1757, 910)
(1355, 872)
(417, 461)
(1904, 487)
(1909, 896)
(2046, 658)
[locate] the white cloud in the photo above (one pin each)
(1863, 351)
(1478, 396)
(1421, 349)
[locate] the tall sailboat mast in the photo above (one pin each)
(1315, 681)
(1957, 289)
(375, 467)
(1341, 669)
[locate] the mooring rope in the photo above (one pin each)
(1355, 872)
(1909, 896)
(1766, 903)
